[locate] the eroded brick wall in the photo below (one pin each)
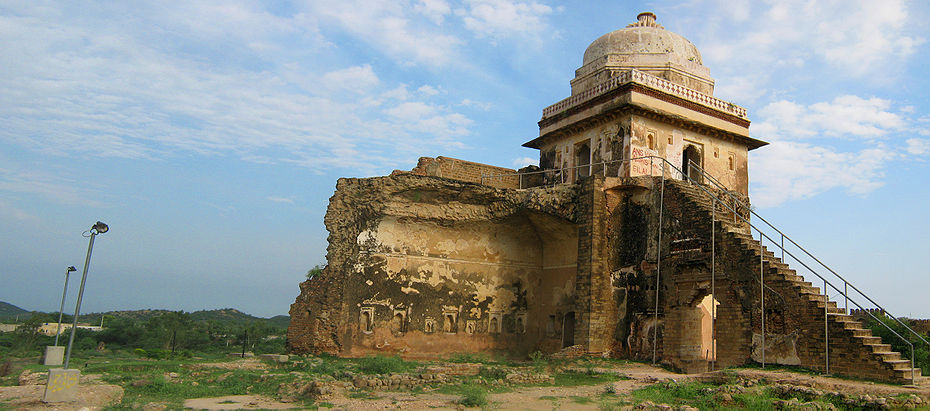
(462, 170)
(427, 266)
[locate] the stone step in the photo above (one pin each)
(898, 364)
(869, 340)
(889, 356)
(904, 376)
(860, 332)
(877, 348)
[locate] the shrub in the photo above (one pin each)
(383, 365)
(474, 396)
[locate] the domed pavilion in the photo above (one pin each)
(643, 92)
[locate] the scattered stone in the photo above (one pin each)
(32, 378)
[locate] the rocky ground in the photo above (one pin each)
(524, 388)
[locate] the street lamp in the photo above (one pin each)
(98, 228)
(62, 308)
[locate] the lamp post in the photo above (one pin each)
(62, 307)
(98, 228)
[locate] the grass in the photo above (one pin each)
(572, 378)
(474, 396)
(384, 365)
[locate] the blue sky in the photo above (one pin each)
(209, 135)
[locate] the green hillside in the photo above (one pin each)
(10, 311)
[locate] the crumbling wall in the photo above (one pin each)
(429, 266)
(462, 170)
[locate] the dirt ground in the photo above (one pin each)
(95, 395)
(561, 398)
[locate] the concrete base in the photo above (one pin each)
(54, 355)
(62, 385)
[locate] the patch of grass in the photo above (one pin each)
(492, 372)
(571, 378)
(581, 400)
(676, 394)
(363, 395)
(549, 398)
(326, 405)
(474, 396)
(479, 358)
(384, 365)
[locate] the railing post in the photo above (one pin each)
(762, 292)
(521, 180)
(655, 325)
(713, 297)
(846, 294)
(826, 327)
(782, 247)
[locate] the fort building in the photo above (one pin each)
(633, 238)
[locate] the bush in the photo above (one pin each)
(474, 396)
(383, 365)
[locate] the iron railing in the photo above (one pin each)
(667, 168)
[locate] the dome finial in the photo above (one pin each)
(646, 19)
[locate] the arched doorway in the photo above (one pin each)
(568, 330)
(689, 155)
(582, 160)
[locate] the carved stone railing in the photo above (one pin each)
(648, 80)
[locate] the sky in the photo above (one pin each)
(210, 135)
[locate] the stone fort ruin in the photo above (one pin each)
(632, 238)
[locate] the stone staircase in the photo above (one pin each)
(854, 350)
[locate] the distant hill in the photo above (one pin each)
(10, 311)
(224, 316)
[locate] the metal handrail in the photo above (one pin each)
(845, 282)
(761, 234)
(785, 237)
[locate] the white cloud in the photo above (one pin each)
(524, 161)
(280, 199)
(358, 79)
(787, 171)
(918, 146)
(776, 42)
(435, 10)
(387, 27)
(99, 87)
(428, 90)
(497, 19)
(845, 116)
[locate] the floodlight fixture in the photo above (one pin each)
(100, 227)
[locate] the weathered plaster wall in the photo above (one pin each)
(430, 266)
(725, 160)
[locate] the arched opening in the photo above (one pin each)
(448, 323)
(651, 141)
(398, 323)
(519, 328)
(691, 155)
(568, 330)
(494, 326)
(367, 320)
(708, 307)
(582, 160)
(429, 326)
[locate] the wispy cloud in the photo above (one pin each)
(280, 199)
(96, 86)
(498, 19)
(800, 162)
(844, 117)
